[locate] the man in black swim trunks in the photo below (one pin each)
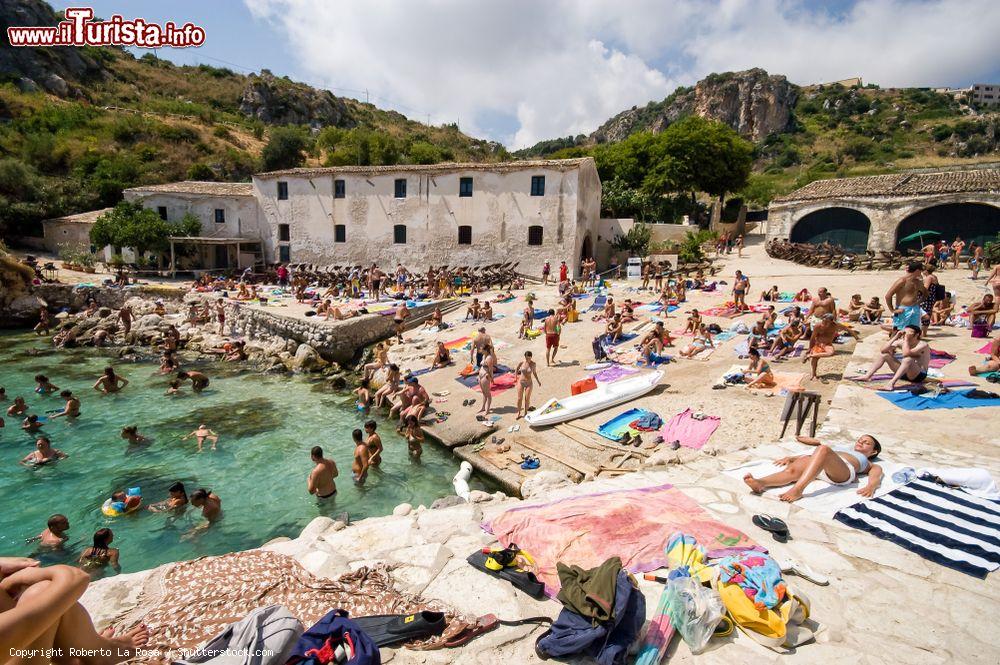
(321, 477)
(402, 313)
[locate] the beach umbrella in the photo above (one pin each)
(919, 235)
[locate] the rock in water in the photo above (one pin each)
(306, 359)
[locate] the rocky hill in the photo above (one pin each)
(753, 103)
(79, 124)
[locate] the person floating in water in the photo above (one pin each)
(101, 554)
(131, 434)
(44, 386)
(43, 453)
(201, 434)
(53, 536)
(359, 469)
(177, 500)
(110, 382)
(321, 481)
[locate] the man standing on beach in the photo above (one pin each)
(480, 343)
(563, 271)
(402, 313)
(125, 316)
(905, 295)
(546, 270)
(824, 332)
(321, 477)
(552, 330)
(822, 304)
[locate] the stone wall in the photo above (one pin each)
(884, 213)
(337, 341)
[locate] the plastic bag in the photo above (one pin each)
(694, 609)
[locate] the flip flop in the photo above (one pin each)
(803, 571)
(775, 525)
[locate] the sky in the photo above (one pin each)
(520, 71)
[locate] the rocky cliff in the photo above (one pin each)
(55, 70)
(280, 101)
(752, 102)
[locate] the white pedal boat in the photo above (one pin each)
(605, 396)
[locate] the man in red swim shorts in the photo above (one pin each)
(552, 329)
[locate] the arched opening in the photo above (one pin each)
(587, 251)
(970, 221)
(838, 226)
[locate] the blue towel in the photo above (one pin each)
(541, 314)
(614, 428)
(954, 400)
(472, 381)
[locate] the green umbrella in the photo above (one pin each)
(919, 235)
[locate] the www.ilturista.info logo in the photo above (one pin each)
(79, 29)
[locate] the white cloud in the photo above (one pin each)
(561, 67)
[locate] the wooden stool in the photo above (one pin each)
(799, 404)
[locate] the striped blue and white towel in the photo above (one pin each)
(947, 526)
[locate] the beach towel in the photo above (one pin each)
(541, 314)
(634, 525)
(975, 481)
(820, 496)
(472, 380)
(456, 344)
(880, 381)
(187, 603)
(986, 348)
(613, 373)
(784, 381)
(689, 432)
(723, 336)
(952, 400)
(723, 311)
(620, 424)
(941, 524)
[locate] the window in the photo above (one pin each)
(282, 191)
(284, 253)
(534, 235)
(400, 188)
(339, 233)
(162, 212)
(220, 216)
(538, 186)
(465, 235)
(399, 233)
(284, 233)
(338, 189)
(465, 187)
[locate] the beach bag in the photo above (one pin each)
(981, 329)
(779, 628)
(598, 346)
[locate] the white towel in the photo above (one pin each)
(977, 482)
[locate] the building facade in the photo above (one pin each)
(877, 212)
(987, 94)
(417, 215)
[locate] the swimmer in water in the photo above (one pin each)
(131, 434)
(100, 554)
(359, 469)
(44, 386)
(174, 388)
(110, 382)
(54, 536)
(374, 443)
(43, 453)
(364, 394)
(320, 481)
(31, 424)
(198, 380)
(177, 500)
(210, 504)
(414, 436)
(18, 408)
(201, 434)
(72, 408)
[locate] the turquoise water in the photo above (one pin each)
(267, 426)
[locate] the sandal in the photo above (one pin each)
(775, 525)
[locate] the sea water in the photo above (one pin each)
(267, 425)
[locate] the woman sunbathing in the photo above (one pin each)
(702, 340)
(802, 296)
(758, 374)
(841, 465)
(942, 310)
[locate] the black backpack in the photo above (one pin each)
(598, 345)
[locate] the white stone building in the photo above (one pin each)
(987, 94)
(417, 215)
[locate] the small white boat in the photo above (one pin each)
(603, 397)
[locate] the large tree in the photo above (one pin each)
(128, 224)
(285, 148)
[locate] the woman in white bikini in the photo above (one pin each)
(840, 465)
(524, 371)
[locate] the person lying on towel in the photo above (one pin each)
(840, 465)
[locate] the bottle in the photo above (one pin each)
(904, 476)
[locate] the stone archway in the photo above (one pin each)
(587, 250)
(972, 221)
(845, 227)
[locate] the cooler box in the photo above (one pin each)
(583, 386)
(573, 316)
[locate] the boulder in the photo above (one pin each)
(22, 310)
(306, 359)
(402, 509)
(542, 482)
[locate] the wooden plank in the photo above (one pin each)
(542, 449)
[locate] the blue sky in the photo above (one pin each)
(519, 71)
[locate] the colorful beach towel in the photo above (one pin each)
(947, 526)
(691, 433)
(953, 400)
(613, 373)
(472, 380)
(634, 525)
(620, 424)
(456, 344)
(986, 348)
